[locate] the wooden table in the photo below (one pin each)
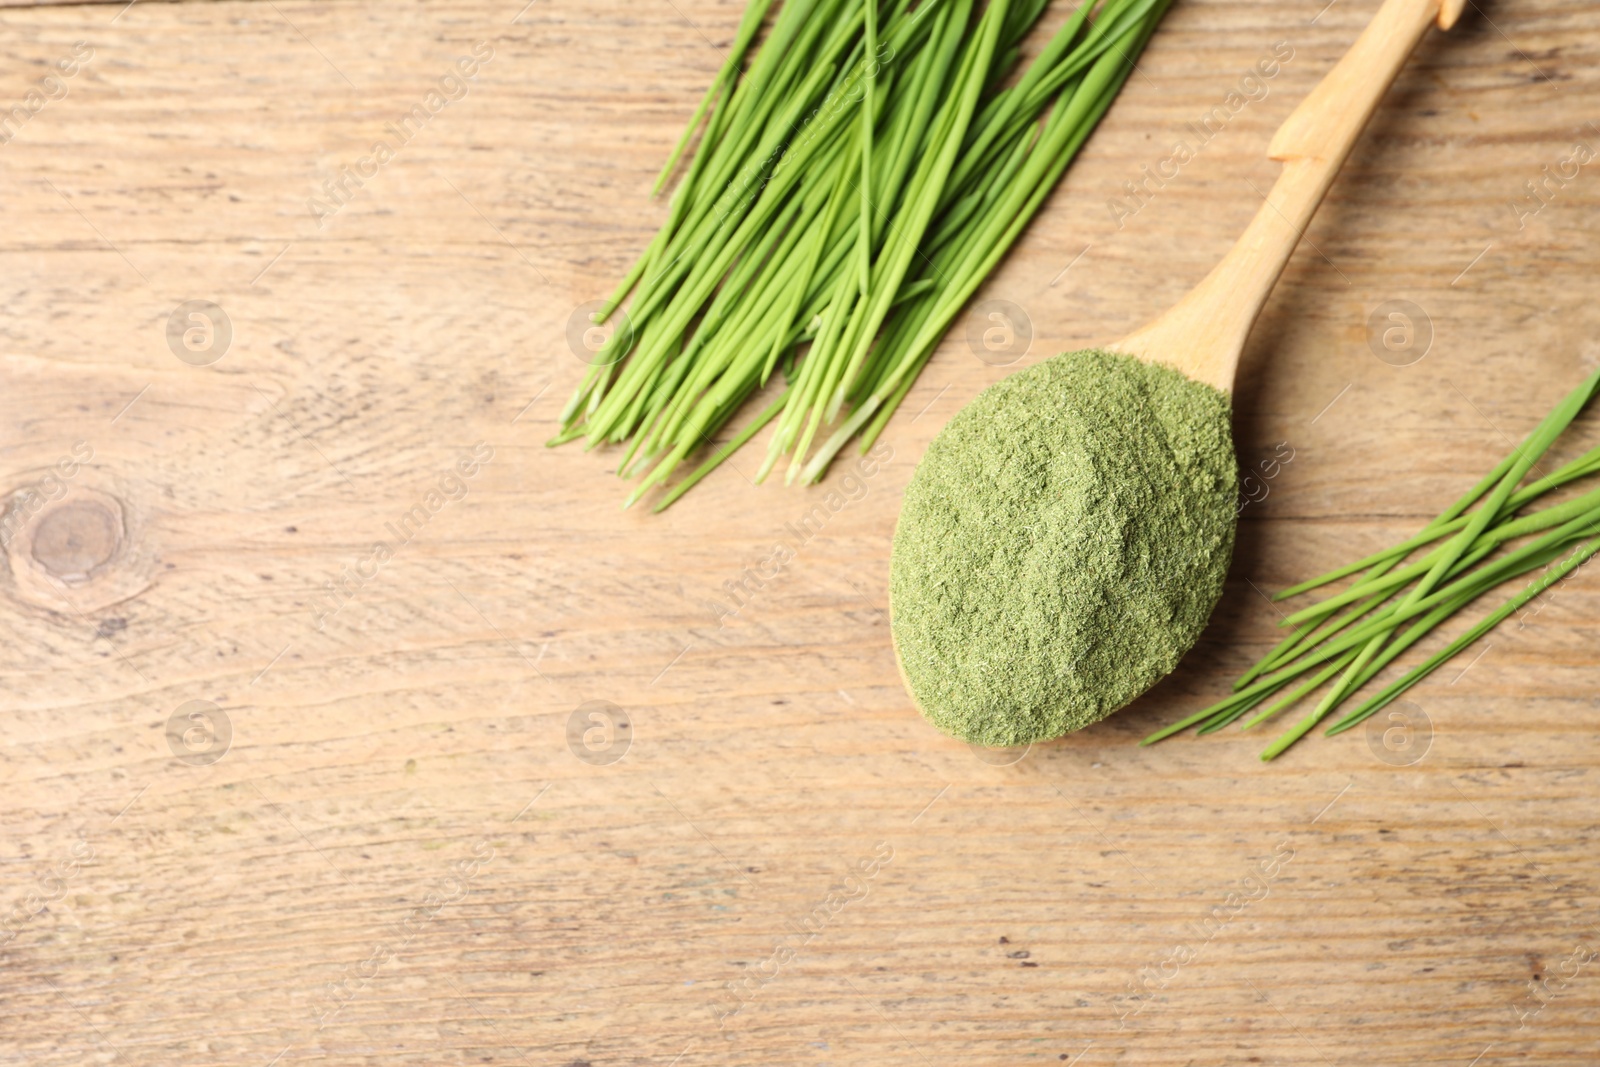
(274, 796)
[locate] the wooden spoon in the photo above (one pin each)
(1203, 335)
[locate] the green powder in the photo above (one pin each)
(1061, 546)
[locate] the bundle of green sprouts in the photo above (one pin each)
(1486, 538)
(851, 188)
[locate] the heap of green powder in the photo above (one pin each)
(1061, 545)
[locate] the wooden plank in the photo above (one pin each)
(401, 858)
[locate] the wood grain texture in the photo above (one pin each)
(400, 859)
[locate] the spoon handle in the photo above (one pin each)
(1204, 333)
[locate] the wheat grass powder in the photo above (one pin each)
(1061, 546)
